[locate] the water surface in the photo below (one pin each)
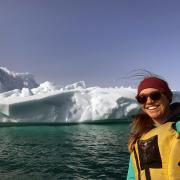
(83, 151)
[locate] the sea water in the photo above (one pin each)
(77, 152)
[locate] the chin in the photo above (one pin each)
(155, 116)
(160, 117)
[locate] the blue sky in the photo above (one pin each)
(98, 41)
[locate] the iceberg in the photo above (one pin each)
(10, 80)
(74, 103)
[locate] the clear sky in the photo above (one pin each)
(98, 41)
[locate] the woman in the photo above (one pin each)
(154, 141)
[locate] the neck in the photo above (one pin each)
(159, 122)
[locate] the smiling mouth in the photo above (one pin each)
(152, 107)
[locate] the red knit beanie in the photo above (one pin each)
(154, 82)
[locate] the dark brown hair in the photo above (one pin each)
(141, 124)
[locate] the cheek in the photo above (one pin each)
(142, 108)
(164, 104)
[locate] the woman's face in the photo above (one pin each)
(157, 109)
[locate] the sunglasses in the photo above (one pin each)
(155, 96)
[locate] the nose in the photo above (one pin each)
(149, 100)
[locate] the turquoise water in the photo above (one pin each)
(84, 151)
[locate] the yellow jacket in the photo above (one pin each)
(157, 154)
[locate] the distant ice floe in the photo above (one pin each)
(48, 102)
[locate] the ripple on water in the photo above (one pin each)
(64, 152)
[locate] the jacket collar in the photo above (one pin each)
(174, 112)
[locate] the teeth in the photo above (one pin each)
(152, 107)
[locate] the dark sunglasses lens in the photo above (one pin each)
(141, 99)
(155, 96)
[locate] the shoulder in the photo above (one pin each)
(177, 126)
(175, 116)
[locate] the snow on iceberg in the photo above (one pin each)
(72, 103)
(49, 103)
